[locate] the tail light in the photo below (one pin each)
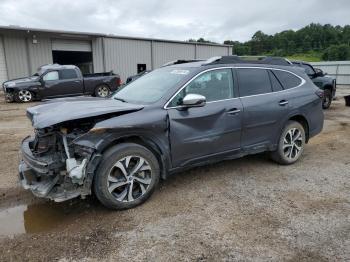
(119, 82)
(320, 93)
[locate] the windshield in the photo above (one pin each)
(152, 86)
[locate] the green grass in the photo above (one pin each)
(309, 57)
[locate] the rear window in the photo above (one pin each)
(287, 79)
(253, 81)
(68, 74)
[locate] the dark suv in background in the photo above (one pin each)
(323, 81)
(171, 119)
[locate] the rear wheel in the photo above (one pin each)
(24, 96)
(290, 145)
(327, 99)
(127, 176)
(102, 91)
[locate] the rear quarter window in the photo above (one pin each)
(288, 80)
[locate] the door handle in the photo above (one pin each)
(283, 102)
(233, 111)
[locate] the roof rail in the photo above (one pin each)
(212, 60)
(233, 59)
(181, 61)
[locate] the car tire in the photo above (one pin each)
(290, 144)
(23, 96)
(127, 176)
(327, 99)
(102, 91)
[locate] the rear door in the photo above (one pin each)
(64, 82)
(200, 133)
(265, 106)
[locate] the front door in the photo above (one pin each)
(61, 83)
(199, 133)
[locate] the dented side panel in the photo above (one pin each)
(202, 131)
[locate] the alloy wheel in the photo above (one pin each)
(25, 95)
(103, 91)
(293, 143)
(129, 178)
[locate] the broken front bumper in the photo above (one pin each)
(9, 97)
(42, 175)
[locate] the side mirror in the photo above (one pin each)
(193, 100)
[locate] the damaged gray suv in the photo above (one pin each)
(185, 114)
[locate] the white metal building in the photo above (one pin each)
(23, 50)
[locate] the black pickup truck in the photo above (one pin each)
(55, 80)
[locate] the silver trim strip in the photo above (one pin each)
(233, 67)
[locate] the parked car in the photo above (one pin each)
(322, 80)
(134, 77)
(55, 80)
(169, 120)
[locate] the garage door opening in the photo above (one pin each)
(81, 59)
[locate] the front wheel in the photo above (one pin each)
(102, 91)
(127, 176)
(24, 96)
(290, 145)
(327, 99)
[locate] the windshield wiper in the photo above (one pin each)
(120, 99)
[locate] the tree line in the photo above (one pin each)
(329, 42)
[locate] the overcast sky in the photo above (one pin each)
(175, 19)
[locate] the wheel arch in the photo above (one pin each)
(304, 122)
(149, 143)
(328, 87)
(102, 84)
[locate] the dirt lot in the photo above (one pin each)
(248, 209)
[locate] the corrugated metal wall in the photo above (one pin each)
(339, 69)
(39, 53)
(3, 68)
(16, 56)
(123, 55)
(97, 55)
(165, 52)
(205, 52)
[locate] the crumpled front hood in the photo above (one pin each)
(61, 110)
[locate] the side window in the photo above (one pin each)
(253, 81)
(214, 85)
(276, 85)
(68, 74)
(51, 76)
(287, 80)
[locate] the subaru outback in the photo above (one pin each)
(176, 117)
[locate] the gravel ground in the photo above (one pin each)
(248, 209)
